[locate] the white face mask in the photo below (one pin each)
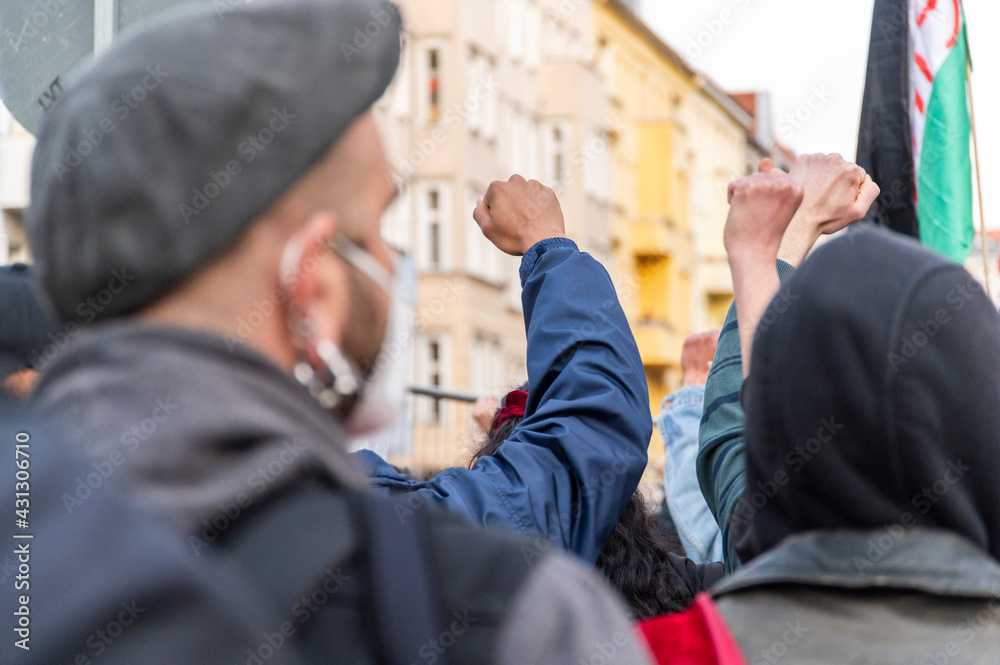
(381, 396)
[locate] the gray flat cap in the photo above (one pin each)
(160, 154)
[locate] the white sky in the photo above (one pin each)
(789, 47)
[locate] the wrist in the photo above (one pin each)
(748, 254)
(530, 241)
(535, 253)
(798, 241)
(694, 377)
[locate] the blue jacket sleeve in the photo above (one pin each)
(569, 468)
(721, 462)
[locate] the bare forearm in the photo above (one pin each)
(799, 238)
(755, 281)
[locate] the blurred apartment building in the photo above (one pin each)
(640, 148)
(16, 146)
(582, 96)
(487, 88)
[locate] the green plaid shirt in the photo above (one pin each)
(721, 464)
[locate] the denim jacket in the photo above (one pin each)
(721, 463)
(680, 417)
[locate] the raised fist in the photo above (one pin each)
(837, 193)
(761, 206)
(516, 214)
(697, 355)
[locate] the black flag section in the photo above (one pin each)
(885, 146)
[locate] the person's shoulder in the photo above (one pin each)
(479, 560)
(546, 605)
(567, 613)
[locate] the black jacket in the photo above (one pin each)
(873, 409)
(893, 596)
(252, 470)
(106, 583)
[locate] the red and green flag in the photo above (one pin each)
(914, 136)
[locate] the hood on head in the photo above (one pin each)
(874, 399)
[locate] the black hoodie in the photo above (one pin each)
(874, 399)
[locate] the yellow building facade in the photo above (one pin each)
(680, 140)
(578, 94)
(583, 96)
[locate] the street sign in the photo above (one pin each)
(42, 41)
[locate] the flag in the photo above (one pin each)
(939, 116)
(914, 134)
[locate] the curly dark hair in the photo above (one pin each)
(636, 560)
(636, 555)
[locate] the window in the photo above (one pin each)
(488, 85)
(532, 34)
(431, 61)
(432, 363)
(433, 86)
(556, 167)
(397, 220)
(483, 260)
(480, 94)
(435, 241)
(597, 173)
(556, 45)
(515, 138)
(473, 68)
(654, 287)
(606, 61)
(515, 28)
(558, 154)
(400, 104)
(513, 288)
(433, 227)
(532, 168)
(515, 368)
(577, 47)
(499, 24)
(503, 147)
(486, 366)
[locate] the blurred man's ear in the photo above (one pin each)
(315, 282)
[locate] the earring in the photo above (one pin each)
(342, 382)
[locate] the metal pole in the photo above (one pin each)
(979, 184)
(105, 24)
(438, 393)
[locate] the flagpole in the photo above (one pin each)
(979, 183)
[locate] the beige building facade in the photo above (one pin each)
(487, 88)
(578, 94)
(16, 146)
